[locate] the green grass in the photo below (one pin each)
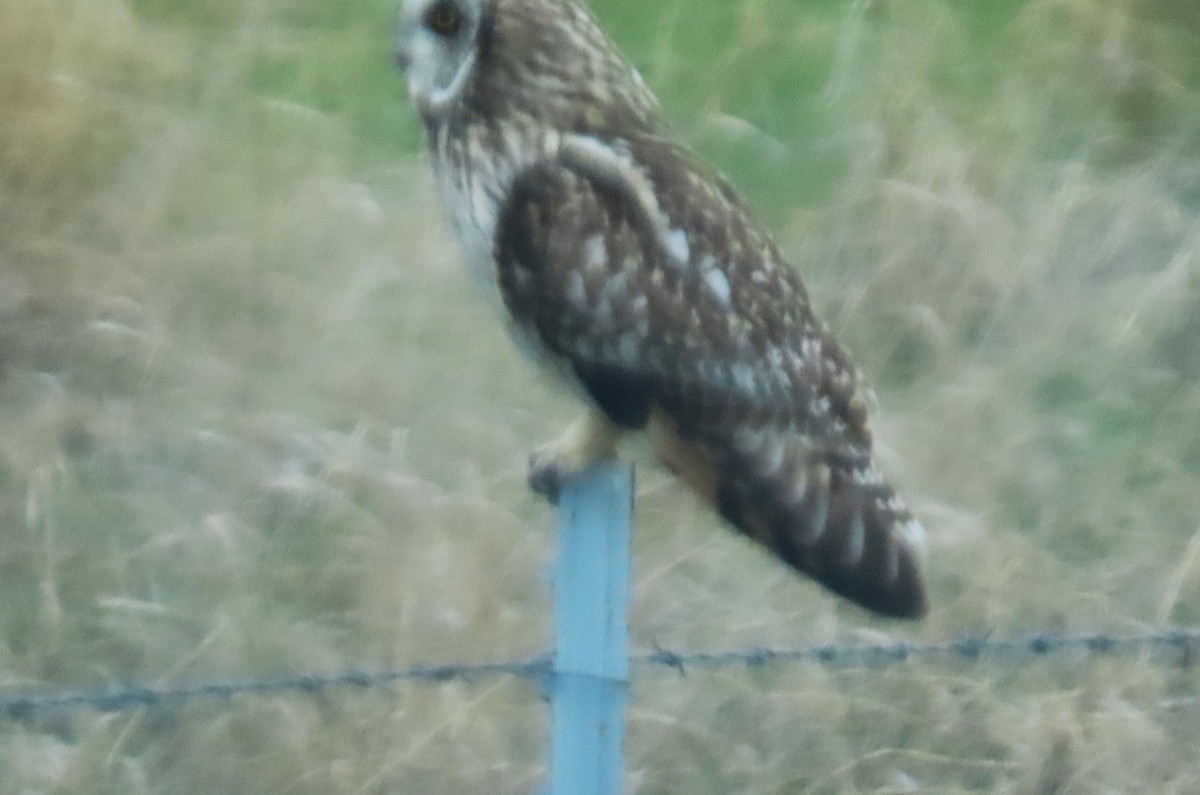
(254, 420)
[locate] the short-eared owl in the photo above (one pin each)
(638, 274)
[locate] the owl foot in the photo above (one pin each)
(590, 439)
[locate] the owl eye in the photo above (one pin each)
(444, 18)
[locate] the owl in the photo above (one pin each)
(638, 276)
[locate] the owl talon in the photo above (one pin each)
(546, 476)
(552, 466)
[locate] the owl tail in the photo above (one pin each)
(834, 520)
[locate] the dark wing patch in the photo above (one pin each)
(622, 395)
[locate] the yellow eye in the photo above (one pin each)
(444, 19)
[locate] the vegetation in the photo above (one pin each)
(253, 418)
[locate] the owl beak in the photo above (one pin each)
(400, 46)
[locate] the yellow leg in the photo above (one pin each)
(589, 439)
(689, 461)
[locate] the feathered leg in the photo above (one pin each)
(591, 438)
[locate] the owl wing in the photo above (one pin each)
(651, 285)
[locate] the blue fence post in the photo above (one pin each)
(591, 657)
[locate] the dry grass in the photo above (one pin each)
(253, 420)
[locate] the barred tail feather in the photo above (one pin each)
(840, 525)
(836, 521)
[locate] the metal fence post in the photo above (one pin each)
(591, 659)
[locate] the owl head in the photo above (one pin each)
(546, 60)
(437, 45)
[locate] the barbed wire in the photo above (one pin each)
(1185, 642)
(1182, 642)
(118, 697)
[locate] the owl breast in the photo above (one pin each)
(476, 165)
(472, 214)
(474, 181)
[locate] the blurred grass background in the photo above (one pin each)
(253, 419)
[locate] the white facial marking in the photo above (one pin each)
(438, 67)
(439, 97)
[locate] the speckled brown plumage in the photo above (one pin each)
(639, 275)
